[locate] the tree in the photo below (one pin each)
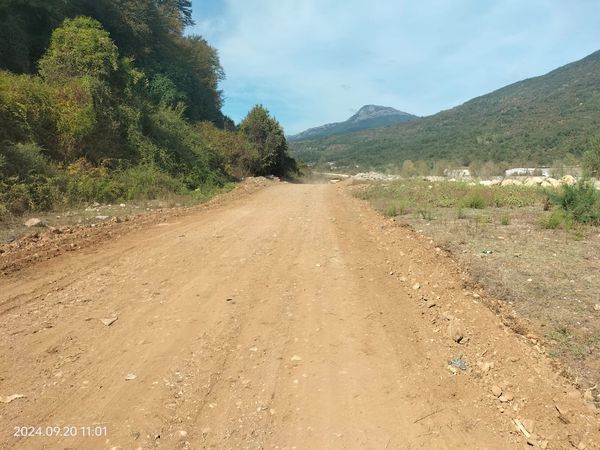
(267, 135)
(408, 168)
(79, 48)
(591, 158)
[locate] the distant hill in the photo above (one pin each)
(369, 116)
(537, 121)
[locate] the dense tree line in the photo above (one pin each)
(109, 99)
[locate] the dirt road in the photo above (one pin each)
(295, 318)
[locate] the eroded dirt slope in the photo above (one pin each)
(294, 318)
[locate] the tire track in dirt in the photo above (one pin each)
(297, 318)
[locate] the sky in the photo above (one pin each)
(312, 62)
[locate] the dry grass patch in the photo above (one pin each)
(548, 273)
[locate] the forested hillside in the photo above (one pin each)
(535, 121)
(103, 100)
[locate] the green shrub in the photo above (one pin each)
(581, 202)
(425, 214)
(505, 219)
(460, 213)
(147, 182)
(26, 111)
(390, 211)
(555, 219)
(23, 160)
(475, 201)
(4, 213)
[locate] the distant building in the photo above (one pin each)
(527, 171)
(459, 174)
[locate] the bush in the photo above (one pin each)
(591, 158)
(26, 111)
(581, 202)
(147, 182)
(505, 220)
(22, 161)
(554, 220)
(475, 201)
(390, 211)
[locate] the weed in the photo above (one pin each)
(556, 219)
(505, 219)
(475, 201)
(581, 202)
(460, 213)
(390, 211)
(425, 214)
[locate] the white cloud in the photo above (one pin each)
(313, 61)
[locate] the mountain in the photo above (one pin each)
(369, 116)
(535, 121)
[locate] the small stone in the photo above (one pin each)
(182, 434)
(529, 425)
(34, 222)
(497, 391)
(588, 396)
(485, 366)
(109, 321)
(455, 331)
(597, 307)
(295, 358)
(101, 217)
(506, 398)
(10, 398)
(130, 377)
(416, 286)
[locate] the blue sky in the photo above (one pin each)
(312, 62)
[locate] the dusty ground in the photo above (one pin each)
(291, 318)
(548, 279)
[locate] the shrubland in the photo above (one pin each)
(118, 104)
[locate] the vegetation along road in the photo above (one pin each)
(292, 317)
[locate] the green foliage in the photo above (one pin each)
(591, 158)
(265, 133)
(390, 211)
(113, 113)
(26, 111)
(556, 219)
(22, 161)
(580, 202)
(535, 121)
(475, 201)
(505, 220)
(240, 156)
(79, 48)
(420, 195)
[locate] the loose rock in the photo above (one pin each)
(109, 321)
(34, 222)
(455, 331)
(10, 398)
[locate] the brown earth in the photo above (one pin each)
(290, 318)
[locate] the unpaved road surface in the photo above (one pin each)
(294, 318)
